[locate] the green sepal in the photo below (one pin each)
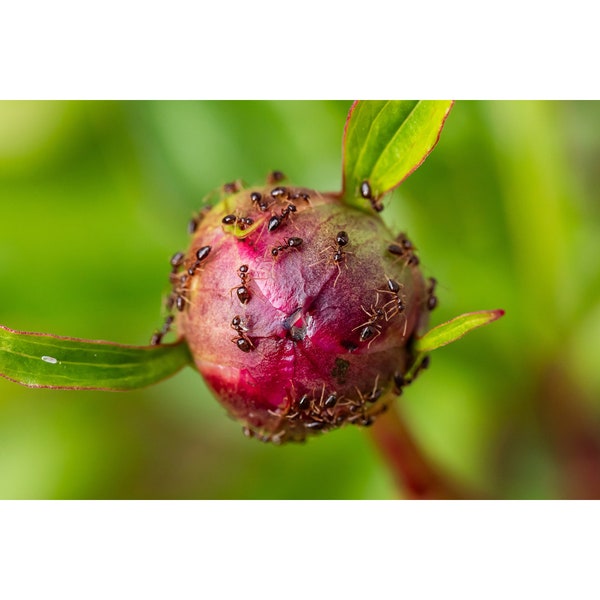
(41, 360)
(448, 332)
(452, 330)
(385, 141)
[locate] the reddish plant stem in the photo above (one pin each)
(415, 474)
(571, 431)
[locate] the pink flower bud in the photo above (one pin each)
(298, 309)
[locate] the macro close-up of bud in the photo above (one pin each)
(298, 310)
(309, 299)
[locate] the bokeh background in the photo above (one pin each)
(95, 198)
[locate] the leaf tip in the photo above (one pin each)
(496, 314)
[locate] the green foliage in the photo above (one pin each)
(453, 330)
(43, 360)
(386, 140)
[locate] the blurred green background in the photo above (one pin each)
(95, 197)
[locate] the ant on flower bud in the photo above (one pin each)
(278, 192)
(293, 242)
(275, 177)
(242, 292)
(177, 259)
(242, 222)
(231, 188)
(371, 329)
(243, 342)
(397, 303)
(341, 241)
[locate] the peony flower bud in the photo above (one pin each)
(298, 309)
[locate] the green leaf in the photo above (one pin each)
(452, 330)
(50, 361)
(385, 141)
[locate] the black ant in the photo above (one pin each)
(242, 292)
(178, 295)
(367, 193)
(397, 302)
(180, 302)
(371, 329)
(232, 187)
(243, 341)
(372, 396)
(290, 208)
(257, 198)
(330, 401)
(293, 242)
(276, 220)
(278, 192)
(177, 260)
(404, 249)
(196, 220)
(201, 255)
(274, 223)
(399, 383)
(158, 336)
(242, 222)
(275, 177)
(192, 226)
(322, 408)
(341, 240)
(432, 300)
(304, 402)
(180, 281)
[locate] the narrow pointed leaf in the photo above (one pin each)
(385, 141)
(49, 361)
(452, 330)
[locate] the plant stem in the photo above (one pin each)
(416, 476)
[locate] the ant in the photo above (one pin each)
(201, 255)
(275, 221)
(278, 192)
(179, 281)
(232, 187)
(432, 300)
(304, 402)
(243, 341)
(399, 383)
(178, 295)
(242, 292)
(242, 222)
(341, 240)
(158, 336)
(197, 219)
(293, 242)
(397, 302)
(275, 177)
(404, 249)
(322, 408)
(370, 397)
(367, 193)
(371, 329)
(257, 198)
(177, 260)
(295, 195)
